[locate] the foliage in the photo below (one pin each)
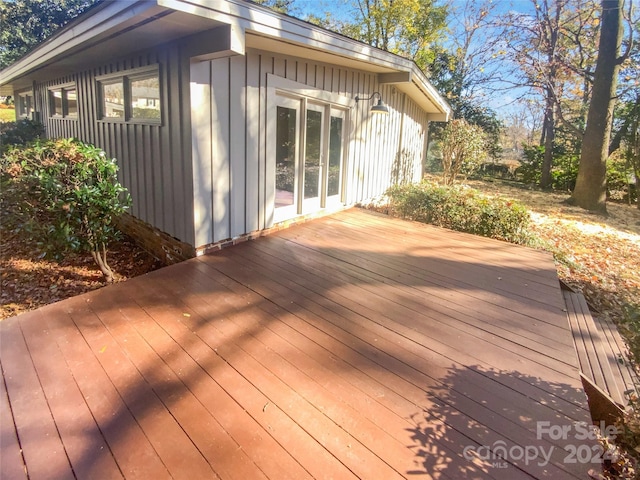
(530, 170)
(463, 149)
(68, 197)
(565, 172)
(26, 23)
(619, 179)
(405, 27)
(552, 55)
(18, 133)
(465, 66)
(141, 112)
(462, 209)
(565, 164)
(282, 6)
(7, 114)
(629, 134)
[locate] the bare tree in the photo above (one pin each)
(553, 52)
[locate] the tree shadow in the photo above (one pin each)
(290, 356)
(537, 439)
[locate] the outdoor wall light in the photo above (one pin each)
(379, 107)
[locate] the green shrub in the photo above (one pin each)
(67, 197)
(20, 132)
(141, 112)
(464, 148)
(462, 209)
(620, 180)
(531, 169)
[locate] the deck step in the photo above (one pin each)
(602, 354)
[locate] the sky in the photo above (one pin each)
(503, 104)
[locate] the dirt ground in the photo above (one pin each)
(28, 281)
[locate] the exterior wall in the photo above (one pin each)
(229, 104)
(212, 182)
(154, 160)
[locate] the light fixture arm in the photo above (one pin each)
(369, 98)
(379, 107)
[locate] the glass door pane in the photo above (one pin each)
(334, 181)
(286, 156)
(313, 154)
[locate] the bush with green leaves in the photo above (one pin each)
(464, 149)
(565, 172)
(67, 197)
(20, 132)
(463, 209)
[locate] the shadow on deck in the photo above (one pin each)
(353, 346)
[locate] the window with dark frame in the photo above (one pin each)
(63, 101)
(131, 96)
(25, 105)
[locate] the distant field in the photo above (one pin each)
(7, 115)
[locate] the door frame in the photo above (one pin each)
(282, 88)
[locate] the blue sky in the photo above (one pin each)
(339, 9)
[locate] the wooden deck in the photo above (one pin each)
(601, 351)
(352, 346)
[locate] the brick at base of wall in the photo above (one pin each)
(161, 245)
(214, 247)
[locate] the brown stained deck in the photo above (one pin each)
(353, 346)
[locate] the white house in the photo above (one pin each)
(227, 118)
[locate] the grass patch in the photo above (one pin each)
(7, 115)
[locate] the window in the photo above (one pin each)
(63, 101)
(145, 97)
(25, 106)
(113, 99)
(131, 96)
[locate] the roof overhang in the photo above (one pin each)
(270, 31)
(104, 34)
(108, 31)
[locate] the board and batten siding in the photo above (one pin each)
(154, 160)
(233, 190)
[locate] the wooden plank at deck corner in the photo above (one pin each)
(12, 465)
(142, 343)
(87, 449)
(42, 447)
(119, 428)
(170, 442)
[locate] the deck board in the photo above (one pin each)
(442, 303)
(68, 406)
(602, 355)
(474, 412)
(351, 346)
(12, 464)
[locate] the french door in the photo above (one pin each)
(309, 156)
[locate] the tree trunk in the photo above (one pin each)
(549, 137)
(100, 257)
(591, 185)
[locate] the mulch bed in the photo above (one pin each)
(29, 281)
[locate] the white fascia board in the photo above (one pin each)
(261, 21)
(113, 16)
(414, 83)
(420, 80)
